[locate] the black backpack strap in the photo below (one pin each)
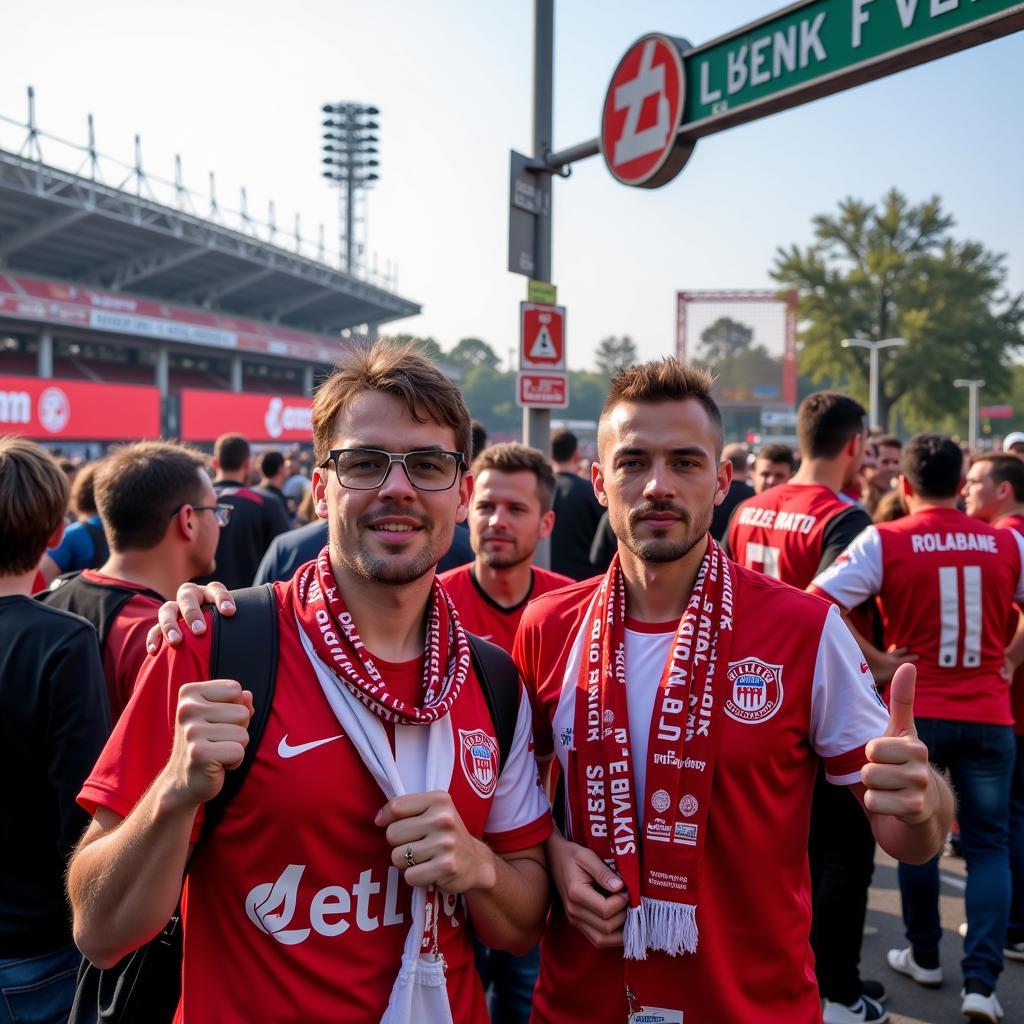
(500, 682)
(244, 647)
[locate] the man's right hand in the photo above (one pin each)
(211, 731)
(577, 871)
(188, 604)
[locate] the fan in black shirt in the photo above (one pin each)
(53, 724)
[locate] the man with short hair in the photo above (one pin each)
(688, 700)
(880, 478)
(257, 516)
(577, 512)
(792, 532)
(53, 723)
(376, 831)
(510, 511)
(945, 583)
(84, 544)
(161, 514)
(739, 488)
(994, 493)
(773, 465)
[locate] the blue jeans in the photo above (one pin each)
(39, 989)
(1015, 931)
(979, 759)
(508, 983)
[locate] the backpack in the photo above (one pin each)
(145, 987)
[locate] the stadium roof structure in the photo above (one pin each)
(58, 224)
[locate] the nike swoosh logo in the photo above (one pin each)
(285, 749)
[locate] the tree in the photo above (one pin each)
(894, 270)
(725, 339)
(613, 354)
(430, 348)
(470, 352)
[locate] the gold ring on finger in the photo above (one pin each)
(410, 860)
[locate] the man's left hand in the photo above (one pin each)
(897, 778)
(443, 853)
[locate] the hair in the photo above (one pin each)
(736, 453)
(776, 453)
(564, 444)
(139, 488)
(889, 441)
(68, 467)
(933, 465)
(33, 500)
(512, 457)
(270, 464)
(889, 508)
(826, 422)
(478, 438)
(401, 371)
(83, 498)
(231, 452)
(1005, 469)
(664, 380)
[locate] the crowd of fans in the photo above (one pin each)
(917, 542)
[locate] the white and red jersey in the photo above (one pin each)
(945, 583)
(482, 615)
(753, 961)
(294, 889)
(1015, 522)
(792, 531)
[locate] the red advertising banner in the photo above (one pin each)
(51, 302)
(74, 410)
(205, 415)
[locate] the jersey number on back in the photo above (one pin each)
(762, 558)
(954, 580)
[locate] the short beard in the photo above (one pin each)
(660, 550)
(375, 568)
(503, 560)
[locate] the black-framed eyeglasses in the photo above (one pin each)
(363, 469)
(222, 513)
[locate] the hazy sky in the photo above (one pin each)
(237, 87)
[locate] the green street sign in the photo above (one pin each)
(542, 291)
(817, 47)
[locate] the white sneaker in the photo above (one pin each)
(902, 960)
(962, 930)
(864, 1011)
(979, 1007)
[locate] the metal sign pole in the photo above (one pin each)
(537, 422)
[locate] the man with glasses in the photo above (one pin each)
(163, 522)
(378, 829)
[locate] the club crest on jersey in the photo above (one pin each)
(479, 759)
(756, 692)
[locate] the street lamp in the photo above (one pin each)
(973, 387)
(873, 347)
(350, 161)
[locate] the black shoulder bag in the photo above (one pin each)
(145, 987)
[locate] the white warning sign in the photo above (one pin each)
(542, 337)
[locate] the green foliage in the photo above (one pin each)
(612, 354)
(471, 352)
(894, 270)
(431, 349)
(725, 339)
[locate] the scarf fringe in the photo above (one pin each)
(634, 934)
(671, 927)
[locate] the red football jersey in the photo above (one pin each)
(484, 616)
(945, 583)
(782, 531)
(754, 881)
(1015, 522)
(294, 888)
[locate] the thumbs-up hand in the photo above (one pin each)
(897, 779)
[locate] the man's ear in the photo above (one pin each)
(547, 524)
(597, 479)
(724, 480)
(320, 491)
(465, 493)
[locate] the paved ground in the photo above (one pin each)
(910, 1003)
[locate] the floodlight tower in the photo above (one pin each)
(349, 161)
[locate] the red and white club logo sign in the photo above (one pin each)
(54, 410)
(756, 690)
(479, 758)
(642, 112)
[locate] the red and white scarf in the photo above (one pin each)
(322, 614)
(661, 870)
